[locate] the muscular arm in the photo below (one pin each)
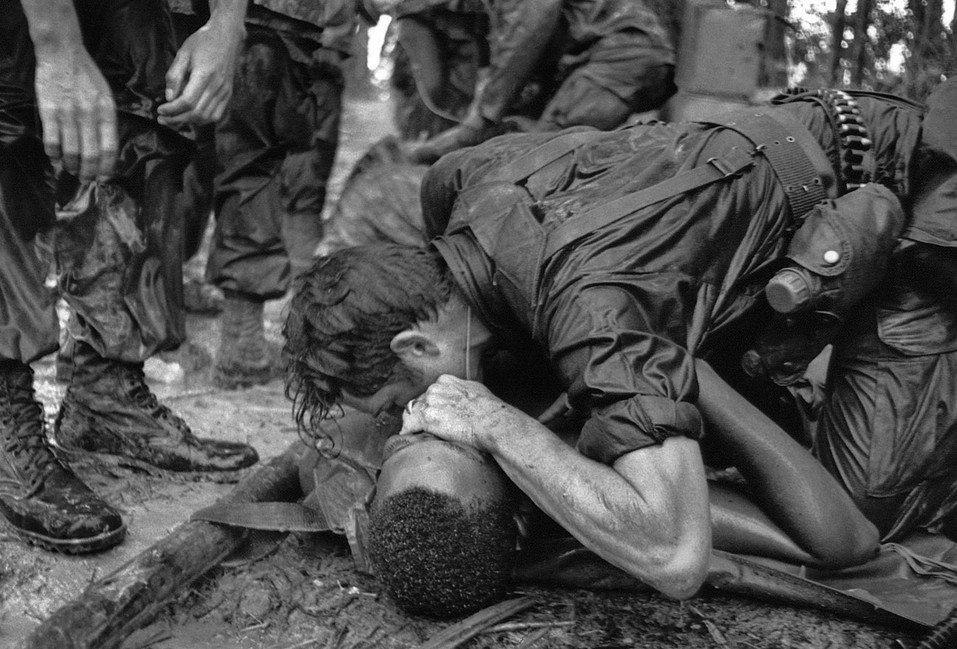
(76, 106)
(199, 83)
(647, 513)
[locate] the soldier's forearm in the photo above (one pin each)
(53, 25)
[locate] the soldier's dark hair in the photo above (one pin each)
(343, 315)
(438, 558)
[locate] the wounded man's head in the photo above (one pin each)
(438, 556)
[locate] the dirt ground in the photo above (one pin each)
(306, 594)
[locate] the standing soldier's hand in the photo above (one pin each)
(199, 83)
(76, 111)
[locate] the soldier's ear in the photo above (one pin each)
(413, 343)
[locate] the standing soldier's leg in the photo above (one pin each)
(313, 141)
(41, 499)
(121, 262)
(276, 148)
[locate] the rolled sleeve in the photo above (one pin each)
(612, 348)
(636, 423)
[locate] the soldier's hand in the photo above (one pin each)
(77, 113)
(462, 411)
(199, 83)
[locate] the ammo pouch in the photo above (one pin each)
(844, 246)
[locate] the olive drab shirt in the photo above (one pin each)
(621, 312)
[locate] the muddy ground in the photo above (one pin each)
(306, 594)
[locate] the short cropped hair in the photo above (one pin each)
(343, 315)
(437, 558)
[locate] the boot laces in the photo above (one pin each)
(22, 436)
(143, 396)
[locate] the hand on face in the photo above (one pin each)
(459, 411)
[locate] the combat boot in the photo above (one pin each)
(42, 500)
(110, 409)
(244, 357)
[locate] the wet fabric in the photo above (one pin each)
(910, 584)
(622, 312)
(275, 149)
(617, 46)
(118, 262)
(888, 428)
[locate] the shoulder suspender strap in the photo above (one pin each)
(519, 169)
(730, 164)
(794, 154)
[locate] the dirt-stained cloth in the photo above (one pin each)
(118, 258)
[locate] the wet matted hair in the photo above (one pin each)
(345, 311)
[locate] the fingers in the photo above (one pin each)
(413, 418)
(51, 131)
(83, 137)
(109, 141)
(176, 75)
(203, 101)
(69, 138)
(89, 139)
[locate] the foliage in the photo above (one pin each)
(900, 46)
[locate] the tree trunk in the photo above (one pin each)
(926, 47)
(774, 70)
(838, 23)
(118, 604)
(862, 22)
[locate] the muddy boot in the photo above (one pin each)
(108, 408)
(42, 500)
(244, 357)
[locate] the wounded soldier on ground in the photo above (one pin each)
(633, 262)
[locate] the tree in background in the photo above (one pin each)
(900, 46)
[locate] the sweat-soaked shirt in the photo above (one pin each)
(622, 312)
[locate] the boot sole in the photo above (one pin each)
(97, 543)
(71, 452)
(113, 459)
